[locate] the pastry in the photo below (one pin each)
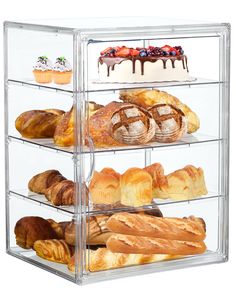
(170, 122)
(63, 193)
(145, 245)
(132, 125)
(104, 187)
(183, 184)
(151, 64)
(62, 71)
(59, 227)
(43, 70)
(182, 229)
(32, 228)
(97, 231)
(136, 188)
(158, 178)
(38, 123)
(103, 259)
(64, 131)
(54, 250)
(42, 181)
(148, 98)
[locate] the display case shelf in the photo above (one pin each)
(40, 200)
(49, 145)
(96, 86)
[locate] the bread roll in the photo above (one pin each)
(182, 229)
(136, 188)
(145, 245)
(104, 187)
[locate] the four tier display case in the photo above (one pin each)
(117, 145)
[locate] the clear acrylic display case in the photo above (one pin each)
(207, 47)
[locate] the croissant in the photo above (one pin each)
(38, 123)
(183, 184)
(103, 259)
(54, 250)
(42, 181)
(59, 227)
(63, 193)
(147, 98)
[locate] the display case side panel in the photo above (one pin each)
(6, 132)
(224, 94)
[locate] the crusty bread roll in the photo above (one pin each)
(54, 250)
(136, 188)
(183, 184)
(145, 245)
(104, 187)
(103, 259)
(132, 125)
(38, 123)
(147, 98)
(183, 229)
(170, 122)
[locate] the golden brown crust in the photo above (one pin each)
(42, 181)
(182, 184)
(59, 227)
(54, 250)
(32, 228)
(145, 245)
(103, 259)
(182, 229)
(105, 187)
(63, 193)
(136, 188)
(64, 132)
(147, 98)
(38, 123)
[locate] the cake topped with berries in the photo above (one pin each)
(151, 64)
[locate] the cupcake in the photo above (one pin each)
(62, 71)
(43, 70)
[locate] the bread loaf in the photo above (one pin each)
(145, 245)
(182, 229)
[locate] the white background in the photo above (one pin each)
(19, 277)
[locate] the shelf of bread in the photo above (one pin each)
(49, 145)
(39, 199)
(97, 86)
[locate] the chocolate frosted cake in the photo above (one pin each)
(152, 64)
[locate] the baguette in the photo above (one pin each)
(103, 259)
(182, 229)
(145, 245)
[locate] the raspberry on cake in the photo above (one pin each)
(151, 64)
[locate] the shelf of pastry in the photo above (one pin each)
(96, 86)
(38, 199)
(49, 145)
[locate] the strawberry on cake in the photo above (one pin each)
(151, 64)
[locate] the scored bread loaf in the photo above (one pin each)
(145, 245)
(183, 229)
(103, 259)
(54, 250)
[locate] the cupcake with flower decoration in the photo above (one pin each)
(43, 70)
(62, 71)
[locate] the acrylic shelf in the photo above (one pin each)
(49, 145)
(96, 86)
